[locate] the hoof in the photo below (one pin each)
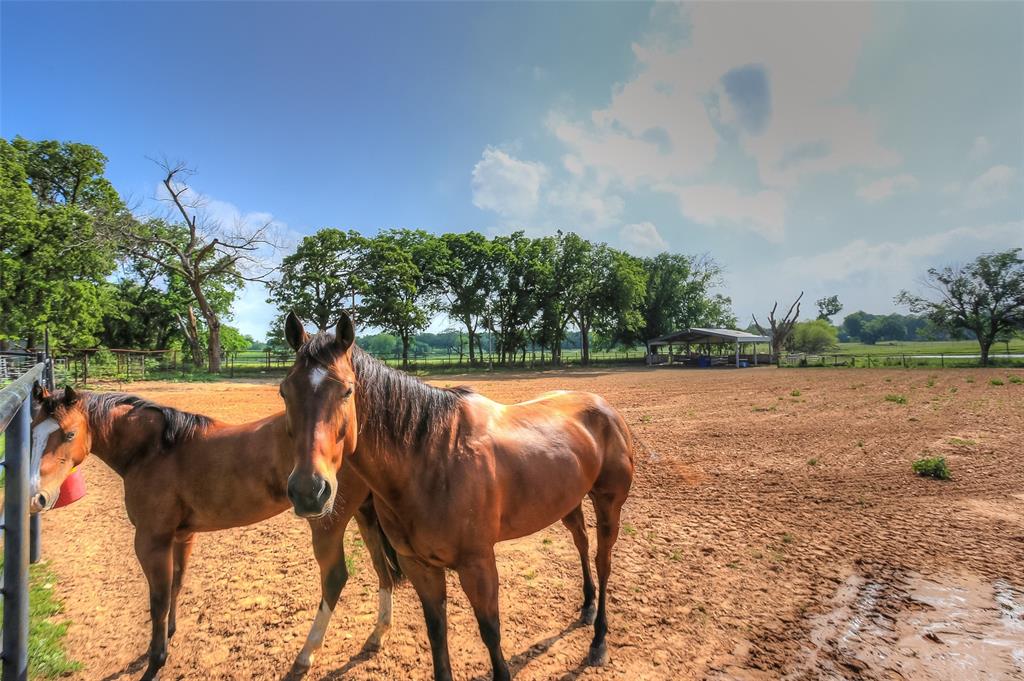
(372, 645)
(588, 615)
(598, 656)
(299, 669)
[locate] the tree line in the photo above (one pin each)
(78, 261)
(522, 291)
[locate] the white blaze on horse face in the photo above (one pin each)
(317, 376)
(40, 435)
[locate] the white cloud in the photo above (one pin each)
(866, 274)
(642, 239)
(660, 126)
(992, 186)
(507, 185)
(762, 212)
(980, 149)
(887, 186)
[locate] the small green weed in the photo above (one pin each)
(1016, 379)
(961, 442)
(812, 461)
(932, 467)
(787, 538)
(996, 381)
(795, 393)
(628, 529)
(646, 418)
(898, 399)
(953, 389)
(676, 555)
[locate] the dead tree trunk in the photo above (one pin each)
(780, 328)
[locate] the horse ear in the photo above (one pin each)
(40, 393)
(294, 332)
(345, 335)
(70, 396)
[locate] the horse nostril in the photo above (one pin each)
(41, 500)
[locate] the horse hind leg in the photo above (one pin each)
(578, 527)
(385, 564)
(608, 507)
(182, 552)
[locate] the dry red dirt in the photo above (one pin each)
(775, 530)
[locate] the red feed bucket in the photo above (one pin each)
(72, 490)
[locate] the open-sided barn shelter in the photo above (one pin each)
(704, 340)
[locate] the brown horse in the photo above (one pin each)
(184, 473)
(452, 473)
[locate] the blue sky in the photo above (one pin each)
(836, 148)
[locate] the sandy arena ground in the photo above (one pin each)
(775, 530)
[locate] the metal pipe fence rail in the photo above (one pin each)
(904, 360)
(20, 530)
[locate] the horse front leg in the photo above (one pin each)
(329, 549)
(155, 556)
(430, 586)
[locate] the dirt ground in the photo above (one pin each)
(775, 530)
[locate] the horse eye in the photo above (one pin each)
(68, 437)
(348, 393)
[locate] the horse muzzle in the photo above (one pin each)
(42, 501)
(311, 495)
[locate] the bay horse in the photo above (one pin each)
(186, 473)
(452, 473)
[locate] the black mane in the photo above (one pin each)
(178, 425)
(393, 405)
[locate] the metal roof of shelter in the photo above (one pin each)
(711, 336)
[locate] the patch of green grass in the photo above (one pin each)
(351, 565)
(961, 442)
(47, 658)
(812, 461)
(795, 393)
(898, 399)
(530, 575)
(545, 541)
(860, 443)
(953, 389)
(932, 467)
(733, 565)
(970, 380)
(646, 418)
(1016, 379)
(787, 538)
(628, 529)
(676, 555)
(996, 381)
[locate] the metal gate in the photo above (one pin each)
(20, 530)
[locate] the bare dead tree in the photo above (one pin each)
(190, 329)
(781, 328)
(200, 251)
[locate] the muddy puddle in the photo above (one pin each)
(914, 627)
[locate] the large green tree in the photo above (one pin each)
(985, 297)
(519, 266)
(465, 270)
(399, 294)
(322, 277)
(679, 294)
(55, 250)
